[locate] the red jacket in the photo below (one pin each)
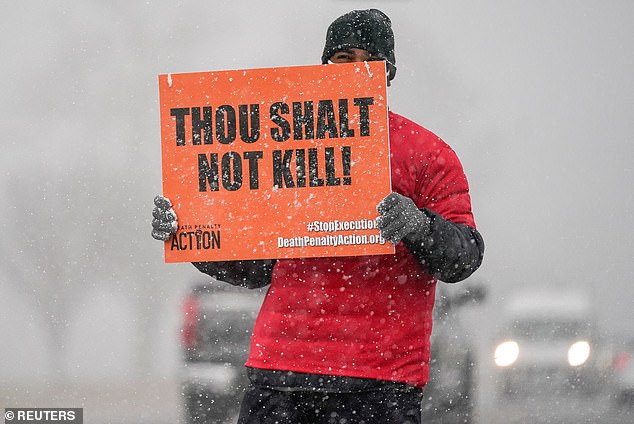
(371, 316)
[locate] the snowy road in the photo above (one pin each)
(156, 404)
(554, 410)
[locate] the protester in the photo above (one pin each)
(347, 339)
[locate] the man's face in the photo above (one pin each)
(352, 55)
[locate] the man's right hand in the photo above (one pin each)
(165, 222)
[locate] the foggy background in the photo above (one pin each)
(536, 97)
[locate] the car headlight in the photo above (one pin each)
(578, 353)
(506, 353)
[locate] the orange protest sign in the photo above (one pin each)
(275, 163)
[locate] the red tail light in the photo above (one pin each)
(621, 361)
(190, 321)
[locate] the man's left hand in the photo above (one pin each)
(400, 218)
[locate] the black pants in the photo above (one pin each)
(261, 405)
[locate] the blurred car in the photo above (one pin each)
(217, 323)
(449, 396)
(550, 345)
(623, 381)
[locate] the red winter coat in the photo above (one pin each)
(371, 316)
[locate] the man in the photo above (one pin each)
(347, 339)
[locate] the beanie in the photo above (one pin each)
(369, 30)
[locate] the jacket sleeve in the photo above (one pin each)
(451, 252)
(453, 249)
(249, 274)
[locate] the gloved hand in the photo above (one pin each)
(400, 218)
(165, 222)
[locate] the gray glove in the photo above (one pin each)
(165, 222)
(400, 218)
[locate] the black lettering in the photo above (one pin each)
(180, 113)
(231, 171)
(249, 133)
(331, 180)
(226, 124)
(208, 172)
(344, 131)
(203, 124)
(182, 238)
(326, 122)
(313, 169)
(215, 239)
(300, 164)
(346, 163)
(303, 120)
(282, 175)
(206, 240)
(282, 133)
(364, 115)
(254, 174)
(199, 239)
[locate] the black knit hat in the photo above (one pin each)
(369, 30)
